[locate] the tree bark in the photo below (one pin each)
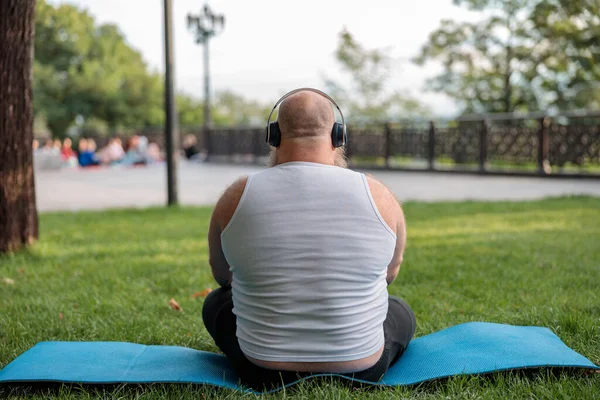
(18, 213)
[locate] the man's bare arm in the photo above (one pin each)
(392, 213)
(218, 263)
(221, 216)
(394, 265)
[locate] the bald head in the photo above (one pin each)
(305, 114)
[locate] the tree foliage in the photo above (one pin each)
(233, 109)
(368, 96)
(227, 108)
(87, 75)
(522, 55)
(89, 71)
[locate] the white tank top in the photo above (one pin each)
(309, 253)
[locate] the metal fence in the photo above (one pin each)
(559, 145)
(537, 145)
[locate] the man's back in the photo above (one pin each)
(303, 252)
(309, 253)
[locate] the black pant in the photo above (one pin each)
(220, 321)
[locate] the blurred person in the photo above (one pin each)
(66, 150)
(57, 144)
(82, 146)
(49, 145)
(35, 145)
(68, 154)
(142, 144)
(303, 253)
(91, 143)
(154, 153)
(143, 150)
(130, 143)
(48, 157)
(112, 153)
(190, 148)
(135, 153)
(87, 154)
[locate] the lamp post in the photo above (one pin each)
(204, 26)
(171, 132)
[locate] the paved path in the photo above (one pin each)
(202, 184)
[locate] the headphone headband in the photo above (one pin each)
(288, 94)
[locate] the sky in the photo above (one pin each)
(269, 47)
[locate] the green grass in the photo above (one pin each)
(110, 276)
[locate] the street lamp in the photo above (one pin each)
(171, 131)
(204, 26)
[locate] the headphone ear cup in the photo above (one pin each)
(274, 139)
(338, 136)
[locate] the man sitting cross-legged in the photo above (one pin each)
(303, 252)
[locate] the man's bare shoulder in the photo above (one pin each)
(379, 191)
(229, 201)
(386, 202)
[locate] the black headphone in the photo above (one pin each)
(339, 136)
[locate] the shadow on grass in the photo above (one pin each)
(46, 389)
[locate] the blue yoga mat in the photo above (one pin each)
(471, 348)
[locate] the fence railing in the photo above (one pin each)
(541, 146)
(567, 144)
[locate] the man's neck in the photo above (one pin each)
(303, 157)
(315, 160)
(313, 155)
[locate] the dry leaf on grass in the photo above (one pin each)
(175, 305)
(203, 293)
(8, 281)
(60, 316)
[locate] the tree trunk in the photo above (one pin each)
(18, 213)
(507, 84)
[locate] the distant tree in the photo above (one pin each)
(368, 96)
(232, 109)
(93, 127)
(64, 35)
(522, 55)
(87, 75)
(124, 92)
(568, 37)
(18, 214)
(87, 70)
(228, 109)
(190, 110)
